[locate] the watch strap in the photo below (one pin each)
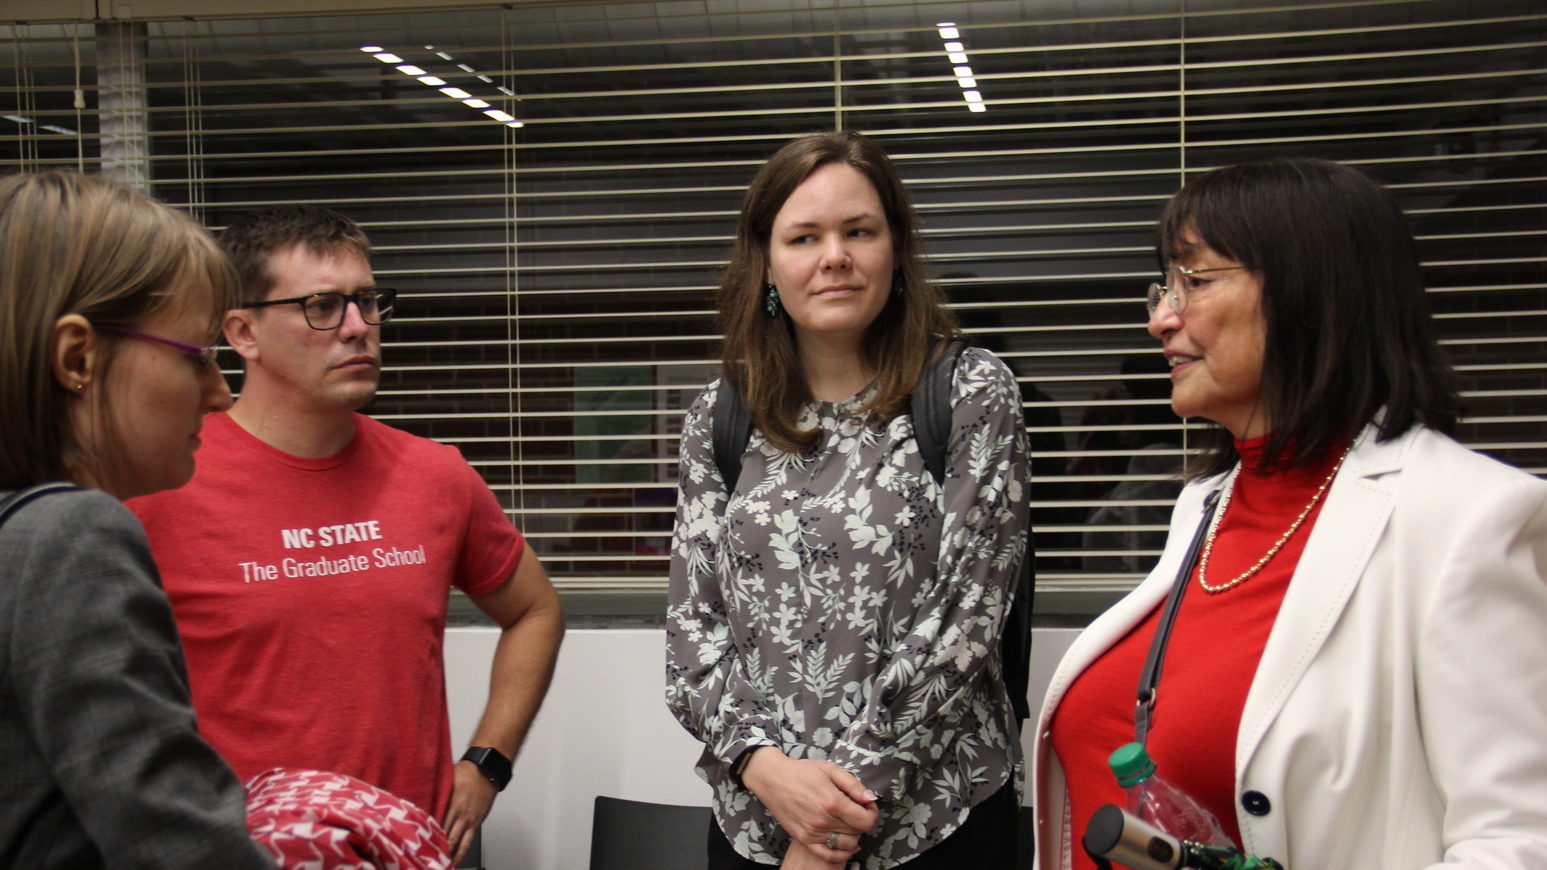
(492, 763)
(742, 760)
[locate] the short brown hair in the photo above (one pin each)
(71, 243)
(759, 356)
(256, 235)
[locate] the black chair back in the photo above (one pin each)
(635, 835)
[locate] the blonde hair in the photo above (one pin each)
(71, 243)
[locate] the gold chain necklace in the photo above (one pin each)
(1208, 543)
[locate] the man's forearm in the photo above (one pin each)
(519, 678)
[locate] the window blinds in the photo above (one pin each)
(554, 188)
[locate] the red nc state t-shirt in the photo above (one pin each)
(311, 598)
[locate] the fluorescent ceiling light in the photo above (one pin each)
(18, 119)
(63, 130)
(408, 69)
(956, 52)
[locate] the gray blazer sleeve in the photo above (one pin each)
(97, 732)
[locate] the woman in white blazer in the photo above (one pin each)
(1356, 677)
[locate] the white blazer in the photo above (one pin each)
(1398, 718)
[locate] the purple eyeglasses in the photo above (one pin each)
(205, 356)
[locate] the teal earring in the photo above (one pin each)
(899, 284)
(771, 300)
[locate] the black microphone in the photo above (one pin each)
(1117, 835)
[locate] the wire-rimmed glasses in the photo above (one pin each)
(1174, 290)
(325, 311)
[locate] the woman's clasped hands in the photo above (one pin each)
(824, 808)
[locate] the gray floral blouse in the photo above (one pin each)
(844, 607)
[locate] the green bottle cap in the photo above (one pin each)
(1131, 764)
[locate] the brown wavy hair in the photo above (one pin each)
(759, 355)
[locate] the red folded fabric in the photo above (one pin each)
(329, 821)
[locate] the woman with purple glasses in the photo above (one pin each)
(108, 301)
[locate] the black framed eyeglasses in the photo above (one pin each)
(1175, 289)
(325, 311)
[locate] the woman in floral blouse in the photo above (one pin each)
(833, 631)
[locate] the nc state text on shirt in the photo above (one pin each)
(331, 536)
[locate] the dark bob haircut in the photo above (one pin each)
(1349, 333)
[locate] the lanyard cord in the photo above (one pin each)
(1150, 678)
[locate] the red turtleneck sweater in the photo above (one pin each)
(1213, 654)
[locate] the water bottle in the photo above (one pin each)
(1156, 800)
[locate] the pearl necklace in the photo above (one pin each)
(1208, 543)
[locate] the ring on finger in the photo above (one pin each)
(832, 840)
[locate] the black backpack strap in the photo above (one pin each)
(930, 406)
(17, 500)
(731, 430)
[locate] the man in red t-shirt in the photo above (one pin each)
(310, 559)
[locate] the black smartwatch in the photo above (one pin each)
(492, 763)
